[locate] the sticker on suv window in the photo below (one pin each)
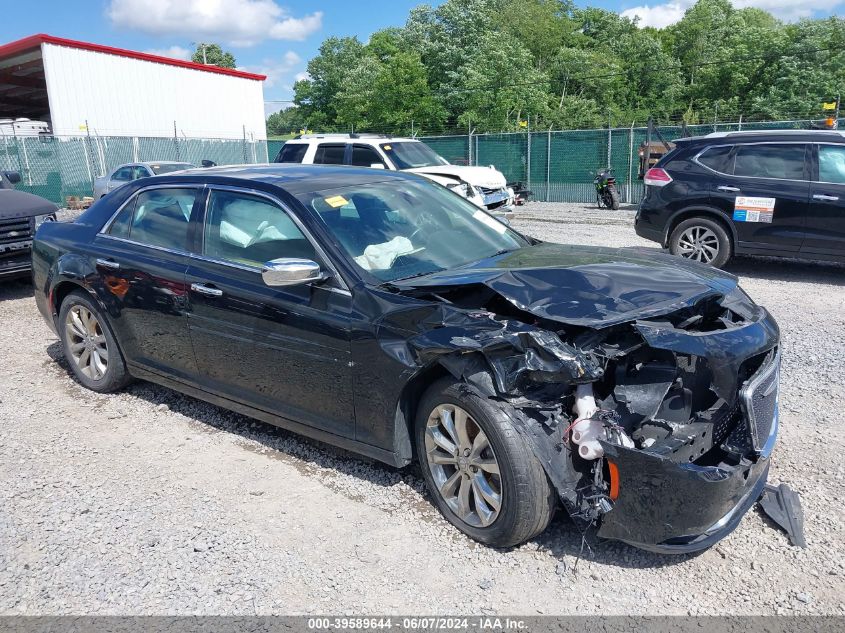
(750, 209)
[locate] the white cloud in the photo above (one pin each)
(235, 22)
(659, 15)
(301, 76)
(176, 52)
(662, 15)
(276, 69)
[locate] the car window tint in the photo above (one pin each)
(251, 230)
(120, 225)
(292, 153)
(832, 163)
(329, 154)
(139, 172)
(364, 156)
(122, 174)
(161, 217)
(716, 158)
(770, 160)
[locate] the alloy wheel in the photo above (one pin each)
(698, 243)
(87, 342)
(463, 465)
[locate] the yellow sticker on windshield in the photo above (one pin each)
(386, 148)
(336, 201)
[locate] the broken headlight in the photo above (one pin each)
(41, 219)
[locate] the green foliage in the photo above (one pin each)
(494, 65)
(214, 54)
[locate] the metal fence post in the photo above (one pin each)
(630, 160)
(528, 161)
(548, 164)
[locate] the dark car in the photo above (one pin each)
(380, 312)
(776, 193)
(21, 213)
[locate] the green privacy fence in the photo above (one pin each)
(558, 166)
(56, 167)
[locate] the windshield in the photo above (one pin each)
(412, 154)
(167, 168)
(399, 229)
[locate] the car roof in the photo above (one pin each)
(295, 177)
(162, 162)
(346, 138)
(748, 136)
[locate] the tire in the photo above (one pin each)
(703, 240)
(99, 364)
(614, 198)
(527, 500)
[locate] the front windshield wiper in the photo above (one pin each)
(414, 276)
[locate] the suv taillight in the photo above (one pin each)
(657, 177)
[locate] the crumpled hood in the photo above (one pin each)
(588, 286)
(488, 177)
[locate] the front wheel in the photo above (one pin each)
(702, 240)
(481, 472)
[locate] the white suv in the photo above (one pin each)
(485, 186)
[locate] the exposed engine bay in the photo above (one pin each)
(627, 416)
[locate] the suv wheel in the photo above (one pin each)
(481, 472)
(89, 346)
(702, 240)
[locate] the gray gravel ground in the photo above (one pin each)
(150, 502)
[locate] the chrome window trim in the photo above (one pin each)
(719, 173)
(284, 208)
(172, 251)
(826, 182)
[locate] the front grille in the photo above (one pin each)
(15, 230)
(759, 397)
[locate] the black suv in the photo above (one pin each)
(749, 193)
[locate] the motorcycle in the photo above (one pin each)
(606, 192)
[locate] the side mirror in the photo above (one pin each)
(376, 166)
(288, 271)
(208, 163)
(13, 177)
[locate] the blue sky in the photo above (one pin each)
(273, 37)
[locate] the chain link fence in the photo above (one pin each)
(559, 166)
(57, 167)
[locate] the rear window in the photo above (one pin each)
(169, 168)
(329, 154)
(770, 160)
(716, 158)
(292, 153)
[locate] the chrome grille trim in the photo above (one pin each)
(759, 398)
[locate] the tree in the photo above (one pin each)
(286, 122)
(214, 55)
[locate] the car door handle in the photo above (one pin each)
(107, 263)
(727, 188)
(208, 291)
(825, 197)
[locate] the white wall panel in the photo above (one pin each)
(121, 96)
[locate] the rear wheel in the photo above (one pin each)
(89, 346)
(702, 240)
(480, 471)
(611, 198)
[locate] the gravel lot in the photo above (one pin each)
(149, 502)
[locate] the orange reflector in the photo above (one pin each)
(614, 480)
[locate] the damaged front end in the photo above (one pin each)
(656, 429)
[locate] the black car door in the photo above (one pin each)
(765, 190)
(141, 257)
(826, 213)
(285, 350)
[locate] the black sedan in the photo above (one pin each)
(382, 313)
